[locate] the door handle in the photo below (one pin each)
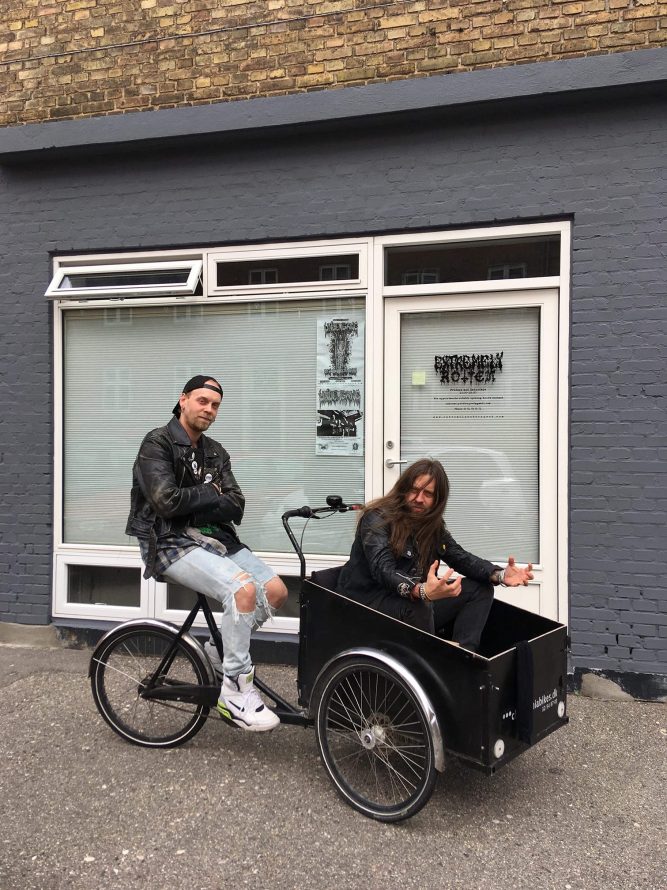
(389, 463)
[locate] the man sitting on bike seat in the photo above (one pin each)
(185, 500)
(400, 541)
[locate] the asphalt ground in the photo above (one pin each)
(80, 808)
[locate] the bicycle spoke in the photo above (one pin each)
(374, 741)
(108, 666)
(126, 666)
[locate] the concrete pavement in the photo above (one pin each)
(79, 808)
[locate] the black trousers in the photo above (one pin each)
(461, 618)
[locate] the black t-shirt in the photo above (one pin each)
(223, 534)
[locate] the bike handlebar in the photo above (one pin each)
(334, 505)
(304, 512)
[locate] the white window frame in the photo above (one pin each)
(154, 603)
(301, 249)
(125, 557)
(370, 284)
(125, 291)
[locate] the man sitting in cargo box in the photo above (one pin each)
(400, 542)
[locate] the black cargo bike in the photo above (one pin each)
(389, 703)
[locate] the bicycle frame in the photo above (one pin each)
(354, 664)
(208, 695)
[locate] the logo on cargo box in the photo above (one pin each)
(543, 703)
(546, 701)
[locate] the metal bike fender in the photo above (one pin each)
(151, 623)
(415, 686)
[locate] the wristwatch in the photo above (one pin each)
(500, 575)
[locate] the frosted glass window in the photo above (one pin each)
(470, 397)
(123, 373)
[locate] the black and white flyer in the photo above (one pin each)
(340, 385)
(472, 385)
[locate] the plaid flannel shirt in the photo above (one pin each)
(172, 547)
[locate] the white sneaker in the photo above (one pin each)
(214, 658)
(240, 702)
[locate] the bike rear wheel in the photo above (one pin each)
(374, 740)
(120, 669)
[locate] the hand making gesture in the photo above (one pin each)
(441, 588)
(515, 576)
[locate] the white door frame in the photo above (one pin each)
(379, 292)
(542, 595)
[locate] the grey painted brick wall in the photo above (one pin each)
(603, 165)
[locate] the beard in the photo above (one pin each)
(415, 517)
(200, 423)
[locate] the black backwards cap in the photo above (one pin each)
(198, 382)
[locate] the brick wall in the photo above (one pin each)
(603, 165)
(95, 57)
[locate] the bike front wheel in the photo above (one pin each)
(122, 666)
(374, 740)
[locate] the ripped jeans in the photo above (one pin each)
(219, 577)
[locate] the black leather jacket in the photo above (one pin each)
(373, 570)
(166, 497)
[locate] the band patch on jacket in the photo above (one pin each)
(195, 466)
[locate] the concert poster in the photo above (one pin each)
(340, 385)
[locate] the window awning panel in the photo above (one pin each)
(126, 280)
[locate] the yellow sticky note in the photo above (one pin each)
(418, 378)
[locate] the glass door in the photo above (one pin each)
(472, 381)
